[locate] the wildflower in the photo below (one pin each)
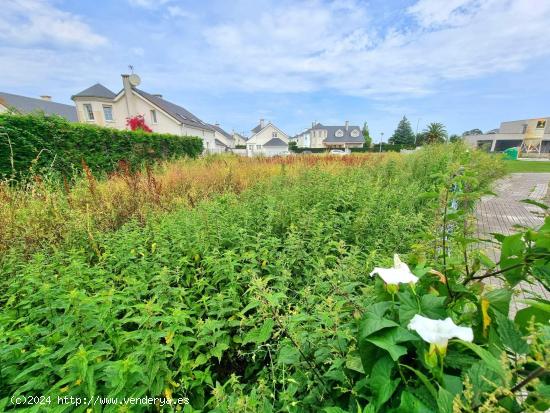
(399, 274)
(439, 332)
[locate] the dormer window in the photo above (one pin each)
(154, 116)
(339, 133)
(541, 124)
(273, 134)
(355, 133)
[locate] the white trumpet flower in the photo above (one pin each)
(399, 274)
(439, 332)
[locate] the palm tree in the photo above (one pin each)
(435, 132)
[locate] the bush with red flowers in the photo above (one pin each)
(138, 123)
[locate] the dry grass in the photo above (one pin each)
(41, 213)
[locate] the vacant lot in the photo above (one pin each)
(236, 283)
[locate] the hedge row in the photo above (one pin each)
(34, 143)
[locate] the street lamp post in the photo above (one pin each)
(381, 137)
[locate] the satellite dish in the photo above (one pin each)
(134, 79)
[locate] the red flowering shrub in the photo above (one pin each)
(138, 123)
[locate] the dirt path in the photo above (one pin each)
(500, 213)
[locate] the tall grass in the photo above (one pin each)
(47, 210)
(245, 299)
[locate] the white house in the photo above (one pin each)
(267, 139)
(98, 105)
(330, 137)
(224, 141)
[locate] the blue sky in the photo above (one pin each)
(465, 63)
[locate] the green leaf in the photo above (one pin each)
(433, 306)
(509, 335)
(427, 383)
(354, 363)
(260, 335)
(411, 404)
(525, 315)
(380, 381)
(288, 355)
(511, 253)
(500, 299)
(491, 361)
(444, 401)
(387, 339)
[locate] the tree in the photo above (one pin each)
(403, 135)
(435, 132)
(473, 132)
(366, 136)
(455, 138)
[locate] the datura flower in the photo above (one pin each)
(399, 274)
(439, 332)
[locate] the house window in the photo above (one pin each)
(108, 112)
(339, 133)
(153, 116)
(355, 133)
(258, 147)
(88, 111)
(541, 124)
(273, 134)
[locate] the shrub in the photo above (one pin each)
(32, 144)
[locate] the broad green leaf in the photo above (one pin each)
(509, 335)
(411, 404)
(288, 354)
(491, 361)
(444, 401)
(511, 253)
(500, 299)
(260, 335)
(525, 315)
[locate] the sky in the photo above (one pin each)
(465, 63)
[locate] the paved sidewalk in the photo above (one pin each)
(500, 213)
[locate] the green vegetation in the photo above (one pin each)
(404, 134)
(526, 166)
(366, 136)
(256, 297)
(32, 144)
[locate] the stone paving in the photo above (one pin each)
(500, 213)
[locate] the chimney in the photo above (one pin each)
(158, 95)
(46, 98)
(128, 96)
(347, 125)
(262, 123)
(312, 125)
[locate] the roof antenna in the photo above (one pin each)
(131, 67)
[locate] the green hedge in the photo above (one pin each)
(36, 142)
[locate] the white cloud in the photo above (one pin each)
(177, 11)
(32, 22)
(305, 46)
(148, 4)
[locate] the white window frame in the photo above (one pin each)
(153, 114)
(105, 113)
(274, 134)
(88, 112)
